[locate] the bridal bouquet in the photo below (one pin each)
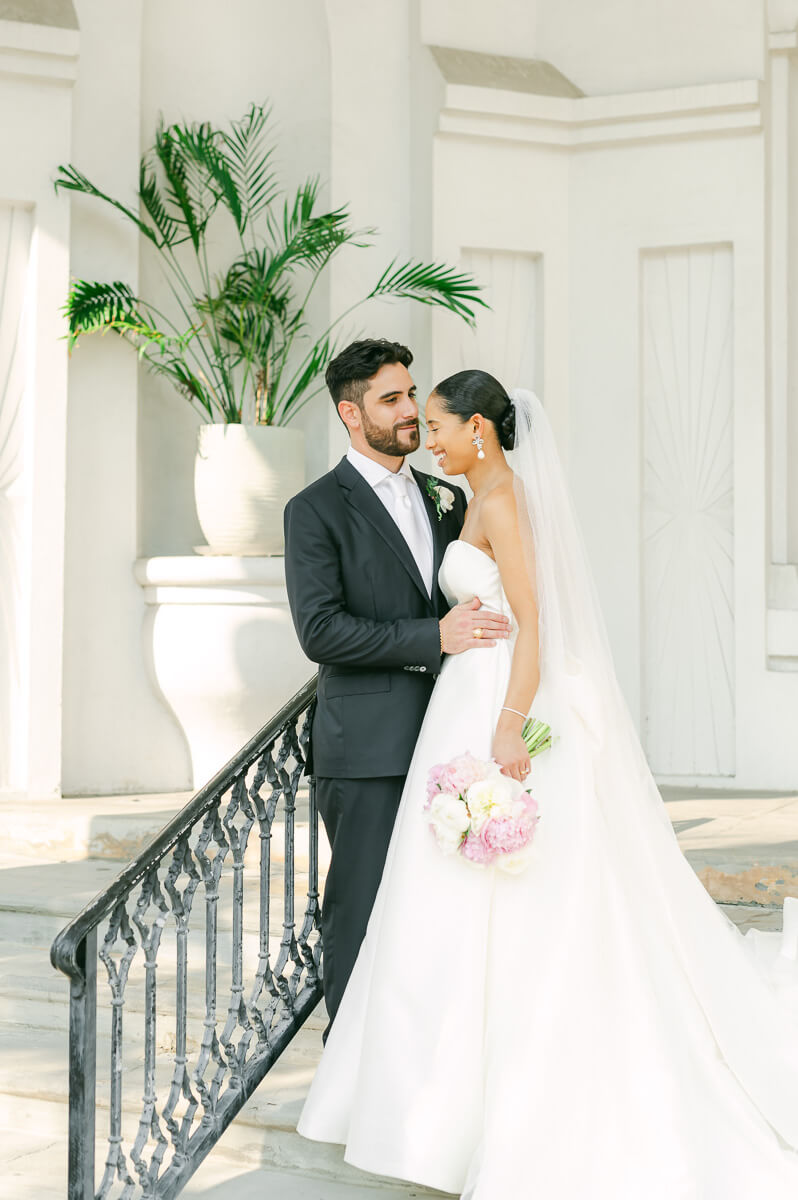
(476, 811)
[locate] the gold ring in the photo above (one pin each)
(477, 632)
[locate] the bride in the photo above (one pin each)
(594, 1028)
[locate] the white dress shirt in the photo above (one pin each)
(411, 520)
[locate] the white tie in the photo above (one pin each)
(408, 518)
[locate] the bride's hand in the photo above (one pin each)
(510, 752)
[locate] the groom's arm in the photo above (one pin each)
(326, 631)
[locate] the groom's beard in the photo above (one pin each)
(387, 441)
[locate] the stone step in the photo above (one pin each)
(40, 1157)
(116, 828)
(37, 901)
(263, 1135)
(35, 996)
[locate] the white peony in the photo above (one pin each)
(449, 819)
(446, 498)
(491, 797)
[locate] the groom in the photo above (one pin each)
(363, 545)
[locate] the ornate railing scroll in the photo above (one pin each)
(204, 977)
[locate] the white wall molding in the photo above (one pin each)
(41, 53)
(585, 122)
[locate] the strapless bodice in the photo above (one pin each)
(467, 571)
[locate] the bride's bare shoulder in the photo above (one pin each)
(498, 506)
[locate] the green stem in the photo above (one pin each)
(286, 349)
(171, 261)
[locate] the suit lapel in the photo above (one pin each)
(439, 543)
(360, 495)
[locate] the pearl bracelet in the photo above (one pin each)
(506, 708)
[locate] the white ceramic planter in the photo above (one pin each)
(244, 475)
(221, 647)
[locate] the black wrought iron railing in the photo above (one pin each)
(180, 1065)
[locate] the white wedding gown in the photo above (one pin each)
(592, 1029)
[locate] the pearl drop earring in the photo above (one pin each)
(479, 443)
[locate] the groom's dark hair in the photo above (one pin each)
(348, 374)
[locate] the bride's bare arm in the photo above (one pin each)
(499, 520)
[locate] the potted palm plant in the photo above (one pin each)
(237, 342)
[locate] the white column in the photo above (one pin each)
(38, 67)
(117, 735)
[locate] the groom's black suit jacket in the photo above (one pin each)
(362, 612)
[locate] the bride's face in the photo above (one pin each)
(449, 438)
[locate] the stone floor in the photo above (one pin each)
(745, 850)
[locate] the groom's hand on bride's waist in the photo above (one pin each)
(469, 625)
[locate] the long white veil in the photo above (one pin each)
(575, 654)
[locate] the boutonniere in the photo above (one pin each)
(442, 497)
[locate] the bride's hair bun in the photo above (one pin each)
(470, 392)
(507, 428)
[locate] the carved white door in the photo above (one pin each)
(687, 511)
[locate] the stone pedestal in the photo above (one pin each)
(221, 648)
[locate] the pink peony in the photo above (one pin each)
(435, 782)
(454, 776)
(474, 849)
(464, 771)
(508, 834)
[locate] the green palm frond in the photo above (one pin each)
(249, 161)
(431, 283)
(312, 240)
(301, 211)
(256, 278)
(249, 334)
(252, 307)
(94, 307)
(186, 191)
(71, 179)
(202, 150)
(155, 205)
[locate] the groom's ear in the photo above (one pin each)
(349, 412)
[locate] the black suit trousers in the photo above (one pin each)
(359, 816)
